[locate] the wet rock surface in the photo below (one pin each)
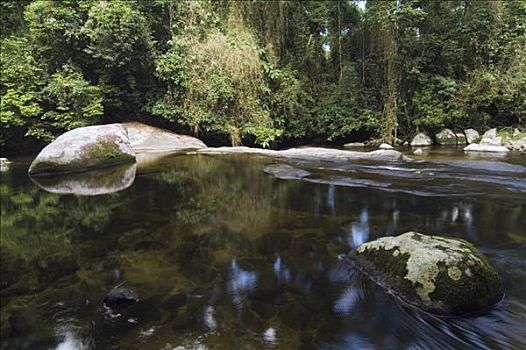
(445, 276)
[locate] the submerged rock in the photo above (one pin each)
(421, 139)
(285, 171)
(472, 135)
(479, 147)
(445, 276)
(83, 149)
(120, 298)
(446, 137)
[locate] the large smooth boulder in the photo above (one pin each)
(83, 149)
(446, 137)
(472, 135)
(490, 137)
(445, 276)
(421, 139)
(476, 147)
(146, 138)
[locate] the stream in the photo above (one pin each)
(241, 252)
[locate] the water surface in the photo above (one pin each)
(226, 256)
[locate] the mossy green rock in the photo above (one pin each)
(83, 149)
(445, 276)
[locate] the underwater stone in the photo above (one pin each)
(120, 298)
(444, 276)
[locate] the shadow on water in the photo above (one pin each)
(224, 255)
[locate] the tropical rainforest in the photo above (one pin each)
(266, 73)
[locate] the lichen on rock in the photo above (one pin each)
(438, 274)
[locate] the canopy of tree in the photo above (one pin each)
(261, 72)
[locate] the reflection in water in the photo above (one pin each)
(468, 221)
(209, 319)
(454, 214)
(359, 231)
(346, 302)
(90, 183)
(331, 200)
(69, 340)
(282, 273)
(241, 283)
(225, 256)
(269, 336)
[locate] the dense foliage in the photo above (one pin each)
(261, 72)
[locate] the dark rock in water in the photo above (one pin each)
(444, 276)
(120, 298)
(285, 171)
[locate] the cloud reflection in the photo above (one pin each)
(346, 302)
(241, 282)
(359, 231)
(331, 197)
(282, 273)
(69, 340)
(269, 336)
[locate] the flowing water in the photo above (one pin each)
(234, 252)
